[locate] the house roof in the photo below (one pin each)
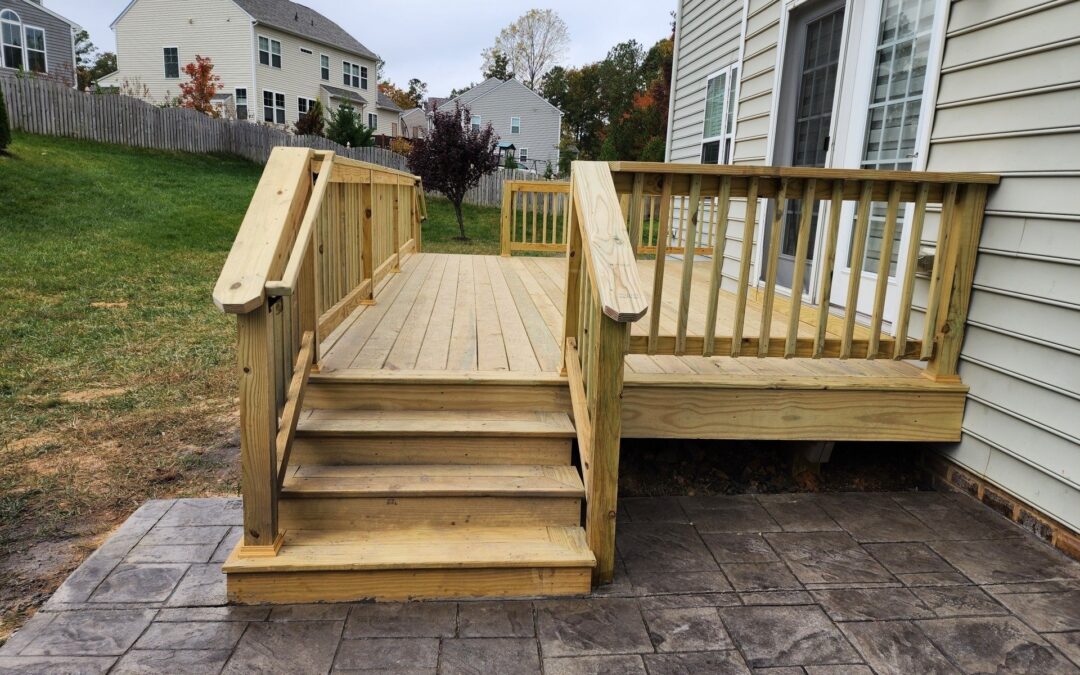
(295, 18)
(43, 8)
(387, 103)
(338, 92)
(492, 85)
(434, 102)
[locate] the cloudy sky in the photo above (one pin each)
(440, 41)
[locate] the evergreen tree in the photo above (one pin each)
(5, 128)
(345, 127)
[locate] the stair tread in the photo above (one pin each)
(422, 548)
(433, 480)
(434, 423)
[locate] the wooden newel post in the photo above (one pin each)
(505, 218)
(574, 255)
(965, 228)
(605, 405)
(258, 432)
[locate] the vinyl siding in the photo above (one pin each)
(59, 55)
(1009, 102)
(389, 122)
(214, 28)
(539, 120)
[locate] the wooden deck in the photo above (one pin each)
(462, 313)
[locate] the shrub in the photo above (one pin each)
(345, 127)
(5, 128)
(312, 122)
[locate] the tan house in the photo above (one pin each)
(275, 57)
(923, 85)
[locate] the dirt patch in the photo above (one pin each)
(91, 395)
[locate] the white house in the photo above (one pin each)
(519, 116)
(934, 85)
(274, 56)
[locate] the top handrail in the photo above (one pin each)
(287, 283)
(806, 172)
(607, 247)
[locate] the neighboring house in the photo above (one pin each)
(36, 39)
(414, 123)
(273, 56)
(518, 115)
(970, 85)
(385, 118)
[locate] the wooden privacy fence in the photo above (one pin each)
(320, 233)
(534, 216)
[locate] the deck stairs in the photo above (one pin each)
(412, 497)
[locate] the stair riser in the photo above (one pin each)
(381, 513)
(476, 397)
(339, 450)
(397, 585)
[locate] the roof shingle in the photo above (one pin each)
(295, 18)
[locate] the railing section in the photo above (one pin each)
(687, 210)
(320, 233)
(603, 297)
(534, 216)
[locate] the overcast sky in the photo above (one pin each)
(440, 41)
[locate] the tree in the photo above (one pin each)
(5, 128)
(496, 64)
(104, 63)
(312, 122)
(417, 92)
(84, 56)
(454, 157)
(532, 44)
(198, 92)
(405, 99)
(345, 127)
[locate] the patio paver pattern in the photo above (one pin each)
(823, 583)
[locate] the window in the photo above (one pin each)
(241, 104)
(35, 50)
(172, 63)
(363, 77)
(896, 96)
(476, 123)
(273, 107)
(515, 125)
(11, 39)
(718, 133)
(304, 104)
(523, 155)
(305, 50)
(324, 67)
(351, 72)
(269, 52)
(372, 121)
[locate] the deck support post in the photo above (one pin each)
(367, 260)
(258, 432)
(605, 412)
(965, 228)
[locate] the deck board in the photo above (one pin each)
(447, 312)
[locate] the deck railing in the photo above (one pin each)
(603, 297)
(534, 216)
(320, 233)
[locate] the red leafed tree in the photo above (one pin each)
(198, 92)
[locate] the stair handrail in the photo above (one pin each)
(601, 304)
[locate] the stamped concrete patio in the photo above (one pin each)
(842, 583)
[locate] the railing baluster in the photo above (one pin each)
(914, 239)
(862, 222)
(688, 263)
(723, 202)
(636, 210)
(933, 298)
(828, 265)
(780, 206)
(884, 264)
(749, 223)
(806, 219)
(661, 255)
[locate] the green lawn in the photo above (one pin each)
(116, 380)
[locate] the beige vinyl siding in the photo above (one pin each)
(214, 28)
(300, 74)
(707, 41)
(1009, 102)
(389, 122)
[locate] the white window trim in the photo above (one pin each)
(27, 50)
(523, 154)
(325, 57)
(246, 104)
(363, 77)
(310, 102)
(179, 70)
(284, 106)
(479, 123)
(22, 47)
(515, 117)
(727, 71)
(269, 51)
(347, 68)
(375, 117)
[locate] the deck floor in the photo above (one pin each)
(471, 313)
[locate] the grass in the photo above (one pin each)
(116, 381)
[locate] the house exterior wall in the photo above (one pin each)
(214, 28)
(1008, 102)
(414, 123)
(389, 122)
(59, 45)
